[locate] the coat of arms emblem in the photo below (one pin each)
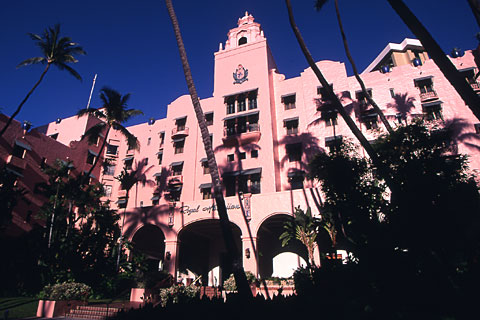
(240, 75)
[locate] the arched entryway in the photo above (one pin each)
(202, 251)
(270, 248)
(149, 241)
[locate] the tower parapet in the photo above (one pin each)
(247, 31)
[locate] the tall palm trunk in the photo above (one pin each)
(104, 143)
(436, 53)
(475, 6)
(9, 121)
(232, 250)
(357, 76)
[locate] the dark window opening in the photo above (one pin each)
(294, 152)
(177, 170)
(230, 157)
(112, 150)
(209, 118)
(109, 170)
(252, 100)
(247, 183)
(180, 123)
(241, 125)
(291, 126)
(128, 164)
(206, 168)
(254, 154)
(424, 85)
(370, 120)
(432, 112)
(162, 138)
(289, 101)
(229, 183)
(469, 75)
(179, 146)
(241, 103)
(160, 157)
(363, 99)
(296, 182)
(242, 40)
(206, 193)
(230, 105)
(333, 143)
(242, 155)
(54, 136)
(91, 158)
(19, 152)
(477, 128)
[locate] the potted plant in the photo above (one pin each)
(56, 300)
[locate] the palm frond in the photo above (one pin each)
(132, 141)
(319, 4)
(34, 36)
(93, 133)
(30, 61)
(74, 73)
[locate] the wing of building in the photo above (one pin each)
(264, 129)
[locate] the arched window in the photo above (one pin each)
(242, 40)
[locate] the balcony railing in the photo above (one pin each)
(475, 86)
(429, 95)
(179, 132)
(122, 193)
(239, 129)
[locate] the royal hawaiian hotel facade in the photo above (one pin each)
(263, 133)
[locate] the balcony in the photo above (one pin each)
(179, 132)
(17, 162)
(122, 194)
(241, 134)
(475, 86)
(427, 96)
(175, 180)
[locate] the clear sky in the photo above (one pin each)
(132, 48)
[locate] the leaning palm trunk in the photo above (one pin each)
(9, 121)
(436, 53)
(357, 76)
(475, 6)
(232, 253)
(100, 152)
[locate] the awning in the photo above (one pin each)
(205, 185)
(121, 201)
(67, 163)
(91, 174)
(14, 172)
(175, 189)
(176, 163)
(158, 174)
(127, 158)
(287, 95)
(160, 152)
(180, 118)
(242, 173)
(178, 139)
(23, 145)
(466, 69)
(422, 78)
(296, 173)
(431, 104)
(241, 92)
(290, 119)
(333, 138)
(203, 160)
(155, 198)
(93, 152)
(369, 90)
(240, 115)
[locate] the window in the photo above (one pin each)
(392, 93)
(206, 193)
(128, 163)
(425, 85)
(162, 138)
(230, 105)
(206, 168)
(229, 183)
(295, 178)
(91, 156)
(211, 138)
(108, 190)
(109, 169)
(242, 155)
(241, 103)
(333, 143)
(230, 157)
(289, 101)
(179, 145)
(160, 156)
(149, 140)
(112, 149)
(469, 75)
(209, 118)
(19, 152)
(362, 98)
(291, 125)
(155, 201)
(177, 169)
(252, 100)
(255, 187)
(432, 111)
(294, 152)
(477, 128)
(242, 40)
(323, 95)
(180, 123)
(247, 181)
(330, 117)
(254, 154)
(54, 136)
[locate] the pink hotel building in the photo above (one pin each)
(263, 130)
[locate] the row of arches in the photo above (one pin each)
(200, 250)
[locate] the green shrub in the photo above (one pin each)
(179, 294)
(65, 291)
(230, 284)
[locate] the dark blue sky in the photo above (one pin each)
(131, 46)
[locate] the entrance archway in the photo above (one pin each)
(202, 251)
(149, 240)
(270, 247)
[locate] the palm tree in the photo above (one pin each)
(319, 4)
(436, 53)
(475, 6)
(239, 274)
(113, 113)
(381, 167)
(129, 178)
(55, 50)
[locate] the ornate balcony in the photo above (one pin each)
(179, 132)
(427, 96)
(17, 162)
(241, 134)
(175, 180)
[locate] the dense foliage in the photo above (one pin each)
(65, 291)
